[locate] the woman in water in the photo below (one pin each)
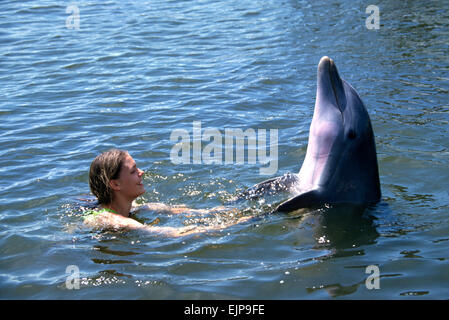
(116, 181)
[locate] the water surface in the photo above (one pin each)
(135, 71)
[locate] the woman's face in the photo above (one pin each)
(130, 179)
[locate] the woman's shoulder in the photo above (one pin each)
(104, 218)
(95, 217)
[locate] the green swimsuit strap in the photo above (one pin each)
(95, 212)
(107, 210)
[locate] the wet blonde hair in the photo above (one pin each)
(104, 168)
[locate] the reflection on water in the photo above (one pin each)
(346, 227)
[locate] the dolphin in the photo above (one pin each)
(340, 165)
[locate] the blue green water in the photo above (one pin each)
(135, 71)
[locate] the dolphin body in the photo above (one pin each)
(340, 165)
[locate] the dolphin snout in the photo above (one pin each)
(327, 66)
(324, 59)
(323, 66)
(330, 85)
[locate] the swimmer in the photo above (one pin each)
(116, 181)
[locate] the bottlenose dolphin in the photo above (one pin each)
(340, 165)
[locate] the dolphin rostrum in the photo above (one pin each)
(340, 165)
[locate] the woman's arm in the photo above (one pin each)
(176, 209)
(115, 221)
(184, 231)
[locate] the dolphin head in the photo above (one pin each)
(341, 162)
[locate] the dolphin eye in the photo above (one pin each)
(351, 134)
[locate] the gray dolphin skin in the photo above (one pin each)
(340, 165)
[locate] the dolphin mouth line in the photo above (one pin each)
(333, 69)
(332, 81)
